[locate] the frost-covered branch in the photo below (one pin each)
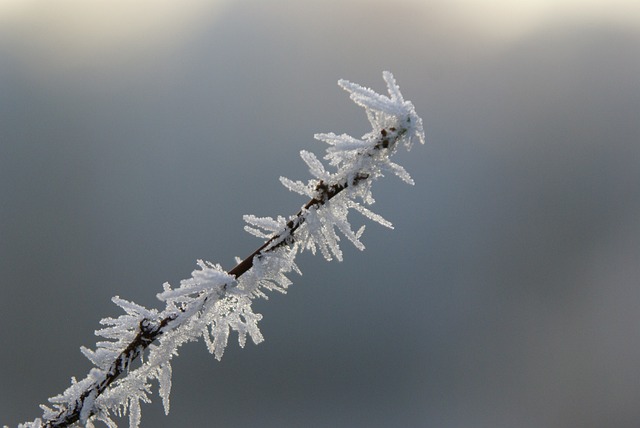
(212, 302)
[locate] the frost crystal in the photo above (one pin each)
(213, 302)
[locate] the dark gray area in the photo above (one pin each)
(507, 295)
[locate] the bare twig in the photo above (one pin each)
(150, 330)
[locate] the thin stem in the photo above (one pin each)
(150, 330)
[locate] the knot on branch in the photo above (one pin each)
(148, 331)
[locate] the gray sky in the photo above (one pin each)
(135, 134)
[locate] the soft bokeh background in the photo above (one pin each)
(135, 134)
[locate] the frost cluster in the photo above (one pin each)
(139, 345)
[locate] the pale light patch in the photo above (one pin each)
(62, 34)
(507, 20)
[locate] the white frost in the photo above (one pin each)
(212, 303)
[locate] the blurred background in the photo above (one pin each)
(135, 134)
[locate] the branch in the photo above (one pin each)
(150, 329)
(212, 302)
